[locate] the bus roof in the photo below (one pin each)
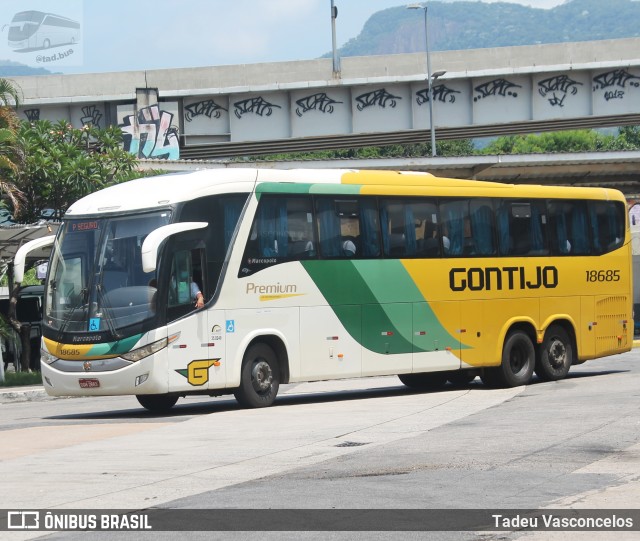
(165, 190)
(36, 16)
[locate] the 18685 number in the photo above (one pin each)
(603, 275)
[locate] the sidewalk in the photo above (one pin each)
(22, 393)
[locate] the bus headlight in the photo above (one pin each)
(47, 357)
(145, 351)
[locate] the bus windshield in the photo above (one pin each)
(24, 25)
(96, 281)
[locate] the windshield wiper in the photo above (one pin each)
(108, 312)
(71, 311)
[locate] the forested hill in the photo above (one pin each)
(14, 69)
(475, 25)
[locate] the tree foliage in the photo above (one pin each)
(565, 141)
(461, 147)
(9, 93)
(11, 153)
(63, 164)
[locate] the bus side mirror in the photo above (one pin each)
(26, 249)
(154, 239)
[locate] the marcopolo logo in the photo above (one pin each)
(499, 278)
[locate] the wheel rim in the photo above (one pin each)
(261, 376)
(557, 353)
(518, 358)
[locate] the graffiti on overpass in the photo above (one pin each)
(150, 134)
(497, 87)
(258, 106)
(381, 98)
(441, 93)
(32, 115)
(91, 116)
(316, 102)
(615, 78)
(556, 89)
(208, 108)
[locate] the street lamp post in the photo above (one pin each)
(430, 78)
(336, 60)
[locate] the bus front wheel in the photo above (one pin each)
(157, 403)
(556, 355)
(259, 377)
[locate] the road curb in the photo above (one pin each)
(23, 394)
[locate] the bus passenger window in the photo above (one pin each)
(607, 222)
(301, 241)
(455, 216)
(482, 229)
(339, 227)
(522, 227)
(569, 231)
(282, 230)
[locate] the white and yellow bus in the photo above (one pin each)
(321, 274)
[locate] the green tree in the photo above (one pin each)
(630, 135)
(561, 141)
(11, 154)
(63, 164)
(9, 93)
(461, 147)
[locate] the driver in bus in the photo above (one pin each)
(196, 294)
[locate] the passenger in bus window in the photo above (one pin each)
(349, 248)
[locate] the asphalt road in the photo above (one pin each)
(356, 444)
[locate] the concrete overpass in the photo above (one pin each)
(223, 111)
(620, 170)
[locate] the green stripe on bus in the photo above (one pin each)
(115, 348)
(291, 188)
(387, 294)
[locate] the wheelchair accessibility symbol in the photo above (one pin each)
(231, 325)
(94, 324)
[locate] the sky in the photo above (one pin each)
(124, 35)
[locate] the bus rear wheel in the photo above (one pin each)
(518, 360)
(556, 355)
(157, 403)
(259, 377)
(432, 380)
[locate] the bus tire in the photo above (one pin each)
(259, 377)
(556, 354)
(518, 360)
(431, 380)
(157, 403)
(491, 377)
